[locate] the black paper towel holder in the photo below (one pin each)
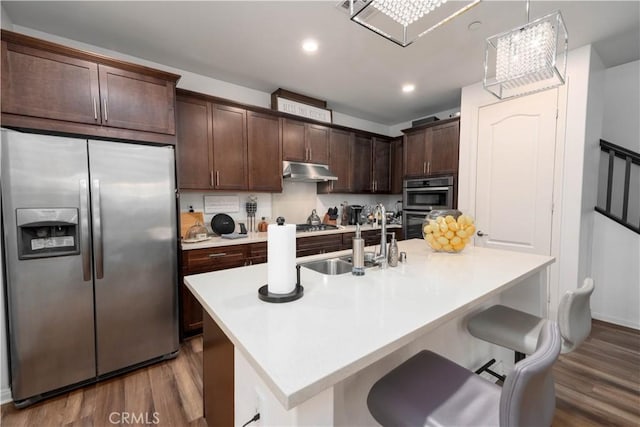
(298, 291)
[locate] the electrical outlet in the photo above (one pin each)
(260, 407)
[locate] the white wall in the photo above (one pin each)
(615, 249)
(396, 130)
(622, 106)
(5, 20)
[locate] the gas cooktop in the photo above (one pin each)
(321, 227)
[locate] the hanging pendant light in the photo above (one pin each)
(527, 59)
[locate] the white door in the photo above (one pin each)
(515, 169)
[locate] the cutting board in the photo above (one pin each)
(188, 219)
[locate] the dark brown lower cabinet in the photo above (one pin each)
(314, 245)
(217, 375)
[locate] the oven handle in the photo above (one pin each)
(414, 190)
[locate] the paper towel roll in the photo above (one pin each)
(281, 258)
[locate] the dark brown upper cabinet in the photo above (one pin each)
(264, 152)
(230, 148)
(340, 143)
(55, 88)
(224, 147)
(194, 149)
(396, 166)
(371, 163)
(432, 149)
(305, 142)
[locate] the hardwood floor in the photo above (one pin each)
(169, 393)
(596, 385)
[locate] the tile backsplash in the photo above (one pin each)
(295, 203)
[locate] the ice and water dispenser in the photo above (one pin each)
(47, 232)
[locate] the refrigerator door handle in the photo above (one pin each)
(84, 231)
(97, 228)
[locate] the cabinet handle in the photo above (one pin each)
(95, 109)
(106, 110)
(310, 154)
(424, 167)
(211, 178)
(218, 255)
(429, 167)
(217, 178)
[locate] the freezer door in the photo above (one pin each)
(135, 252)
(49, 292)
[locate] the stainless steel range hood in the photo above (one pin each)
(307, 172)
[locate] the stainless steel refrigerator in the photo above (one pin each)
(90, 247)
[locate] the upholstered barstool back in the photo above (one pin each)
(574, 316)
(528, 395)
(519, 331)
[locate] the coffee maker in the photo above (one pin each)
(353, 214)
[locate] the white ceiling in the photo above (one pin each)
(257, 44)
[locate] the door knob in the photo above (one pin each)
(480, 233)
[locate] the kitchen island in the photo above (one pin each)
(293, 362)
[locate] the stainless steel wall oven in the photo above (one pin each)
(419, 197)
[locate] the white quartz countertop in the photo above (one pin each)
(344, 323)
(256, 237)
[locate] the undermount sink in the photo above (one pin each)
(335, 266)
(331, 266)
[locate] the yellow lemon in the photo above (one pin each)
(443, 240)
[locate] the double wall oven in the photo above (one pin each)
(419, 197)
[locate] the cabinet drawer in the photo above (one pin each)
(318, 244)
(258, 253)
(212, 259)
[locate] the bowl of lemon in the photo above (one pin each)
(448, 230)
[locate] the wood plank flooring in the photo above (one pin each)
(597, 385)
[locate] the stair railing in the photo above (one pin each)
(631, 159)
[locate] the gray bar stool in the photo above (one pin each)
(430, 390)
(519, 331)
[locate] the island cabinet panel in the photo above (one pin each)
(55, 88)
(264, 152)
(314, 245)
(304, 142)
(230, 147)
(340, 143)
(218, 375)
(194, 148)
(396, 166)
(432, 149)
(362, 181)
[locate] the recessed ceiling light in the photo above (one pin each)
(408, 88)
(309, 45)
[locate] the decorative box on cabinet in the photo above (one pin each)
(55, 88)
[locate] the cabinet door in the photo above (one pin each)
(264, 153)
(42, 84)
(443, 152)
(293, 144)
(381, 163)
(136, 101)
(414, 151)
(396, 166)
(194, 144)
(314, 245)
(339, 161)
(317, 138)
(361, 161)
(229, 147)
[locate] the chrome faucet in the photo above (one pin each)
(381, 257)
